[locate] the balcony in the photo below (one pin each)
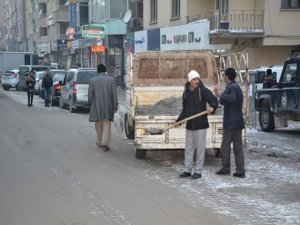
(42, 21)
(60, 14)
(248, 23)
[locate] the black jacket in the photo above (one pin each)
(232, 99)
(47, 81)
(195, 102)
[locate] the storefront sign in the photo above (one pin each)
(73, 15)
(93, 31)
(115, 41)
(140, 41)
(61, 44)
(194, 36)
(97, 48)
(75, 44)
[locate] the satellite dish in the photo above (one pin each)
(127, 16)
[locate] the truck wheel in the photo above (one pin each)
(5, 88)
(129, 130)
(266, 118)
(140, 153)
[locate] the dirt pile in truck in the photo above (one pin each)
(166, 106)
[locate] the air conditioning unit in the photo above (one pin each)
(224, 25)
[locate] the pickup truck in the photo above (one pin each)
(278, 105)
(154, 88)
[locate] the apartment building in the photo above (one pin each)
(14, 18)
(264, 28)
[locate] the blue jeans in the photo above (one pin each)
(47, 92)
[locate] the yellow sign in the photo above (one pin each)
(98, 48)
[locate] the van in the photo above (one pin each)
(74, 90)
(24, 70)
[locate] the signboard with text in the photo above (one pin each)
(97, 48)
(93, 31)
(193, 36)
(140, 41)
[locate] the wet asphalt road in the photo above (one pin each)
(52, 173)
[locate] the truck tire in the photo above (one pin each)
(129, 130)
(140, 153)
(266, 118)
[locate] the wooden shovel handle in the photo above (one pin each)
(187, 119)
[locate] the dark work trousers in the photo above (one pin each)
(30, 93)
(235, 137)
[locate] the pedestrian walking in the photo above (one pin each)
(195, 98)
(233, 124)
(47, 84)
(103, 99)
(30, 82)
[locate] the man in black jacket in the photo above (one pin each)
(47, 84)
(195, 98)
(233, 123)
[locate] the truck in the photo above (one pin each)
(279, 104)
(154, 87)
(13, 60)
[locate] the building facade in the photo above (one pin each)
(264, 28)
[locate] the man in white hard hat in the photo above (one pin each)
(195, 98)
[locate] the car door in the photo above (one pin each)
(63, 90)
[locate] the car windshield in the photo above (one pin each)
(84, 77)
(58, 77)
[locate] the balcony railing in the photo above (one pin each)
(234, 20)
(60, 14)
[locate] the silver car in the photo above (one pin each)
(38, 82)
(10, 79)
(74, 90)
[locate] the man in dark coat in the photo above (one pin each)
(195, 98)
(233, 124)
(103, 99)
(47, 84)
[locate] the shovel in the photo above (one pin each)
(156, 131)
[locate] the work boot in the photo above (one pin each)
(223, 172)
(196, 175)
(185, 174)
(239, 175)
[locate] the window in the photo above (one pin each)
(290, 73)
(153, 11)
(222, 6)
(43, 31)
(290, 4)
(175, 8)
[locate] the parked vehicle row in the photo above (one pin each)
(70, 88)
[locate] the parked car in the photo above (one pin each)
(38, 82)
(10, 79)
(74, 92)
(56, 88)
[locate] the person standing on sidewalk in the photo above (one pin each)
(233, 124)
(102, 97)
(30, 82)
(195, 98)
(47, 84)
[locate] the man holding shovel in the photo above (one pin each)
(195, 98)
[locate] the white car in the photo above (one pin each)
(10, 79)
(38, 82)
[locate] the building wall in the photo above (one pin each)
(281, 26)
(164, 12)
